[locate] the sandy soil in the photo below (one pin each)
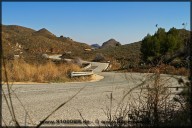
(96, 77)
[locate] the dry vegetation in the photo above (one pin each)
(155, 105)
(19, 70)
(114, 65)
(166, 69)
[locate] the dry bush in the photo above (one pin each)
(182, 71)
(19, 70)
(115, 65)
(168, 69)
(165, 69)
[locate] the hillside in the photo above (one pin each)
(127, 55)
(29, 43)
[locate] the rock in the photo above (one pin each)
(45, 56)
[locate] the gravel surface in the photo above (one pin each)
(41, 99)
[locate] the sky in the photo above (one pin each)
(97, 22)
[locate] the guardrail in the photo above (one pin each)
(108, 65)
(73, 74)
(88, 66)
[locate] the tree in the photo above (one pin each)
(154, 47)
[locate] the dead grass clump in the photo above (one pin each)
(19, 70)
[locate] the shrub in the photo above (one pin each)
(78, 61)
(66, 56)
(161, 43)
(99, 57)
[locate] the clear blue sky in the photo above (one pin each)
(96, 22)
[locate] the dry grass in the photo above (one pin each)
(17, 66)
(168, 69)
(19, 70)
(165, 69)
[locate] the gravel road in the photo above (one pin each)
(41, 99)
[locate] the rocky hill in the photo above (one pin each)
(110, 43)
(26, 42)
(44, 32)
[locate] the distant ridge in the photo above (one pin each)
(95, 46)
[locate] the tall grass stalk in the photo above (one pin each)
(10, 103)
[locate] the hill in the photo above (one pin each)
(44, 32)
(29, 43)
(95, 46)
(110, 43)
(127, 55)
